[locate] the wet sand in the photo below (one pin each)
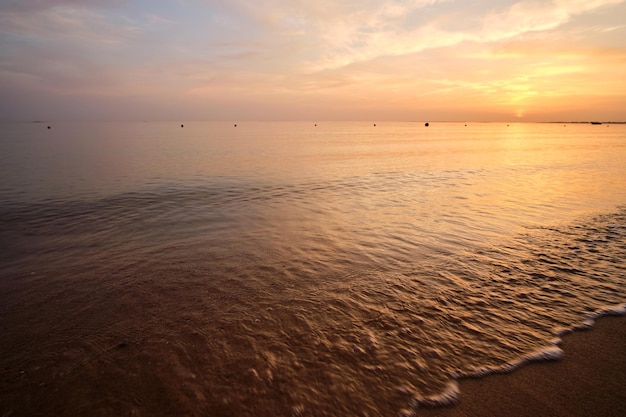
(590, 380)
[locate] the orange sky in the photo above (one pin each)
(486, 60)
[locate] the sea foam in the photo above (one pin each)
(452, 393)
(449, 396)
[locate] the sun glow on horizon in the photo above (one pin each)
(432, 59)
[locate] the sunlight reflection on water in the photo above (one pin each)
(336, 269)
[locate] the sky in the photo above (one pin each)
(413, 60)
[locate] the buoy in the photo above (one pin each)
(182, 125)
(49, 127)
(374, 124)
(235, 124)
(426, 124)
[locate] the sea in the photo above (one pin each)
(296, 268)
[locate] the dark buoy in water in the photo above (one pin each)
(374, 124)
(182, 125)
(426, 124)
(235, 124)
(316, 124)
(49, 127)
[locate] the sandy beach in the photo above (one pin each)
(590, 380)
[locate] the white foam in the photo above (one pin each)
(449, 396)
(546, 354)
(559, 332)
(590, 319)
(585, 325)
(556, 341)
(452, 393)
(616, 310)
(550, 353)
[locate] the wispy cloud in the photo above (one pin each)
(34, 5)
(395, 30)
(397, 51)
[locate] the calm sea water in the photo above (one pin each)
(288, 269)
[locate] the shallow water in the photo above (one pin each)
(291, 269)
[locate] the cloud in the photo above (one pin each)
(532, 16)
(65, 24)
(35, 5)
(65, 50)
(396, 28)
(394, 50)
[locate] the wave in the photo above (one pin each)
(300, 293)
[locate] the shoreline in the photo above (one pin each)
(588, 381)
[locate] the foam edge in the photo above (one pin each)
(449, 396)
(452, 394)
(589, 320)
